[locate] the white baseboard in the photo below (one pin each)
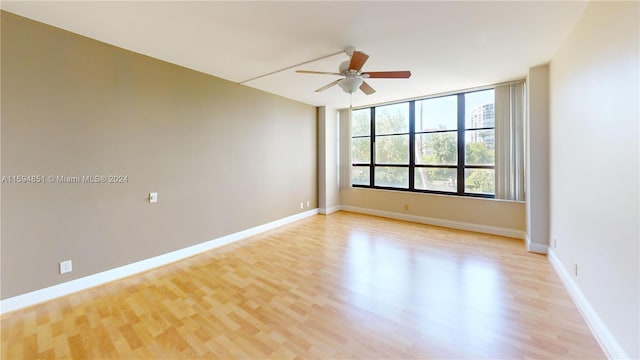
(52, 292)
(518, 234)
(535, 247)
(601, 332)
(330, 210)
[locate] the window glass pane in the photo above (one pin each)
(437, 149)
(392, 176)
(361, 122)
(392, 149)
(480, 147)
(437, 114)
(392, 119)
(479, 109)
(360, 175)
(479, 181)
(439, 179)
(361, 150)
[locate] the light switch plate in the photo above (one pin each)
(153, 197)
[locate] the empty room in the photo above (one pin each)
(320, 180)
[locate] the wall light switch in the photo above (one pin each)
(153, 197)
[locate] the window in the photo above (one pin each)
(479, 138)
(442, 145)
(391, 146)
(361, 147)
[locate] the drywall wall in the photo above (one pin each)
(507, 215)
(595, 165)
(222, 157)
(537, 159)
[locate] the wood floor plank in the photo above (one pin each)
(339, 286)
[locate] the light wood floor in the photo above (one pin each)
(338, 286)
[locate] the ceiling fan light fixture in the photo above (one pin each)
(350, 84)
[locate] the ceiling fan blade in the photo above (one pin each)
(387, 74)
(366, 88)
(333, 83)
(357, 60)
(317, 72)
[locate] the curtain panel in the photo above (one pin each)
(509, 127)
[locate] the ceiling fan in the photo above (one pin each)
(354, 76)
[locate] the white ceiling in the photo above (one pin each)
(446, 45)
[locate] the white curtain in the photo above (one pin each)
(344, 117)
(509, 116)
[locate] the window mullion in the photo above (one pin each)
(373, 147)
(461, 149)
(412, 142)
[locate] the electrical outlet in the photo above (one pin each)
(307, 203)
(65, 266)
(301, 205)
(153, 197)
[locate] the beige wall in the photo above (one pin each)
(537, 158)
(484, 212)
(595, 164)
(223, 157)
